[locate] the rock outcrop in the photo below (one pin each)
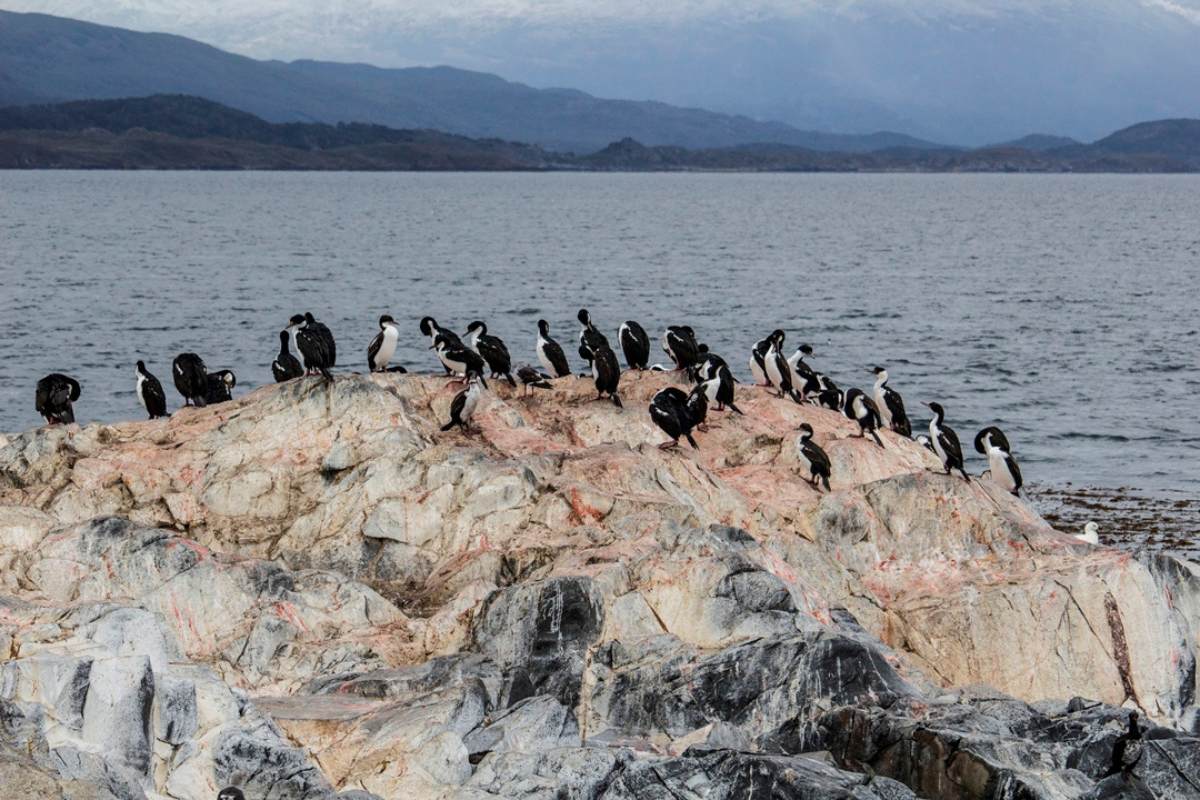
(312, 591)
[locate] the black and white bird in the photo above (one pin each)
(150, 392)
(776, 366)
(530, 378)
(54, 398)
(813, 457)
(709, 363)
(590, 337)
(220, 386)
(286, 366)
(191, 378)
(989, 436)
(758, 355)
(383, 346)
(230, 793)
(550, 353)
(314, 341)
(863, 410)
(679, 343)
(492, 349)
(635, 344)
(430, 328)
(697, 407)
(606, 372)
(1004, 470)
(458, 358)
(463, 406)
(890, 405)
(719, 390)
(1127, 749)
(945, 441)
(805, 380)
(833, 398)
(669, 411)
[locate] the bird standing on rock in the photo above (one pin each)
(814, 457)
(550, 352)
(945, 441)
(383, 346)
(1004, 470)
(890, 405)
(54, 398)
(150, 392)
(862, 410)
(530, 378)
(492, 349)
(191, 378)
(778, 372)
(758, 366)
(679, 343)
(220, 386)
(430, 328)
(590, 337)
(1127, 750)
(286, 366)
(635, 344)
(719, 390)
(458, 359)
(315, 343)
(463, 406)
(669, 411)
(606, 373)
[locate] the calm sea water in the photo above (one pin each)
(1062, 308)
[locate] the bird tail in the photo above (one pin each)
(617, 400)
(875, 436)
(542, 385)
(825, 480)
(692, 441)
(735, 408)
(68, 415)
(966, 477)
(325, 373)
(511, 380)
(448, 426)
(797, 397)
(199, 402)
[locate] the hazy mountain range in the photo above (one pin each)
(967, 72)
(48, 59)
(182, 132)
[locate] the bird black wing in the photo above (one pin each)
(1014, 469)
(557, 358)
(373, 350)
(330, 346)
(152, 393)
(635, 344)
(457, 405)
(817, 456)
(948, 439)
(895, 405)
(494, 352)
(591, 341)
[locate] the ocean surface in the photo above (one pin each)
(1065, 309)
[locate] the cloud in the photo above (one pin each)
(1192, 15)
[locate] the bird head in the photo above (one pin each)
(806, 431)
(936, 408)
(477, 326)
(385, 320)
(309, 319)
(584, 317)
(296, 321)
(806, 349)
(543, 327)
(141, 366)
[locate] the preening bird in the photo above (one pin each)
(550, 353)
(150, 392)
(315, 343)
(945, 441)
(776, 366)
(463, 406)
(492, 349)
(635, 344)
(430, 328)
(862, 410)
(286, 366)
(191, 378)
(679, 343)
(697, 407)
(1004, 469)
(459, 359)
(383, 346)
(805, 380)
(758, 355)
(55, 396)
(590, 337)
(989, 436)
(220, 386)
(669, 411)
(890, 405)
(813, 457)
(1091, 534)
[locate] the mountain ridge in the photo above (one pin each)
(50, 59)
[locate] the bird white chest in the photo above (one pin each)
(885, 413)
(141, 380)
(387, 348)
(935, 438)
(470, 403)
(1001, 474)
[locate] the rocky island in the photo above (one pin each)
(311, 592)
